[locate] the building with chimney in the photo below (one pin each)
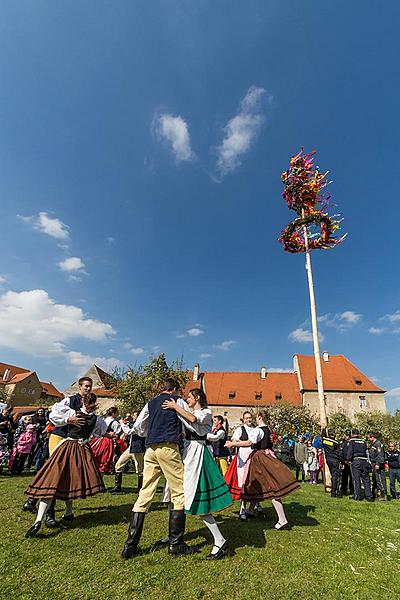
(347, 389)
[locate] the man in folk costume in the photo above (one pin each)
(60, 410)
(163, 432)
(135, 452)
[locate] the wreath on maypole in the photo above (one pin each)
(303, 193)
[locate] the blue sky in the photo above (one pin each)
(141, 150)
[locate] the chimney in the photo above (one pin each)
(6, 374)
(325, 356)
(263, 372)
(196, 372)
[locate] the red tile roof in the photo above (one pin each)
(338, 374)
(103, 392)
(13, 371)
(20, 377)
(50, 389)
(240, 389)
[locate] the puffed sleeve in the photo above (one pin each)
(61, 412)
(141, 425)
(256, 434)
(237, 434)
(215, 437)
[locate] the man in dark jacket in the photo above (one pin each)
(347, 477)
(333, 457)
(357, 455)
(393, 461)
(163, 432)
(377, 457)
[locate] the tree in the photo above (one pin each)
(339, 423)
(137, 385)
(286, 419)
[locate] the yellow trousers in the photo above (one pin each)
(161, 459)
(54, 440)
(222, 462)
(126, 456)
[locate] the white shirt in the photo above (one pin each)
(114, 425)
(61, 412)
(255, 434)
(141, 425)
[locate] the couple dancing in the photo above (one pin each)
(195, 483)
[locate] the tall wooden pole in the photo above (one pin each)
(314, 322)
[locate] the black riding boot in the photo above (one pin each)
(30, 505)
(177, 546)
(139, 483)
(117, 483)
(134, 535)
(51, 515)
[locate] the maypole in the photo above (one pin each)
(312, 229)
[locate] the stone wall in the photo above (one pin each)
(348, 403)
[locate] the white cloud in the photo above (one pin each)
(33, 323)
(392, 399)
(279, 370)
(195, 331)
(73, 263)
(51, 226)
(376, 330)
(175, 131)
(227, 345)
(241, 131)
(205, 355)
(349, 317)
(137, 351)
(110, 240)
(394, 318)
(3, 279)
(83, 361)
(179, 336)
(304, 335)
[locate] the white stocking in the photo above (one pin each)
(280, 511)
(68, 508)
(219, 539)
(42, 510)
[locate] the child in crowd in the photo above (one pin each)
(312, 462)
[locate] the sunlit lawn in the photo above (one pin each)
(335, 549)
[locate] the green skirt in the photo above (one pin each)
(212, 493)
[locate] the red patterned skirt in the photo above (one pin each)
(103, 450)
(70, 473)
(231, 479)
(267, 478)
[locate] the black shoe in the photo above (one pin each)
(33, 531)
(222, 551)
(134, 535)
(30, 505)
(117, 484)
(177, 546)
(50, 522)
(243, 517)
(67, 518)
(280, 527)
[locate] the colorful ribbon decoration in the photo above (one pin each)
(303, 193)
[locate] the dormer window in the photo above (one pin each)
(258, 395)
(358, 382)
(278, 396)
(231, 395)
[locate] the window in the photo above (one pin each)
(278, 396)
(363, 402)
(231, 395)
(258, 395)
(358, 381)
(226, 413)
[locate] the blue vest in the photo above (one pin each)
(75, 402)
(164, 425)
(136, 444)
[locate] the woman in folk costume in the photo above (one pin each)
(265, 477)
(234, 476)
(205, 489)
(104, 446)
(71, 472)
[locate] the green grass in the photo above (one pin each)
(336, 549)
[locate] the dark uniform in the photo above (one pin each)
(377, 456)
(357, 455)
(333, 457)
(393, 461)
(347, 477)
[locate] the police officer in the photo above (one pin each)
(333, 457)
(393, 461)
(357, 455)
(377, 456)
(347, 477)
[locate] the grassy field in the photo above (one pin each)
(335, 549)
